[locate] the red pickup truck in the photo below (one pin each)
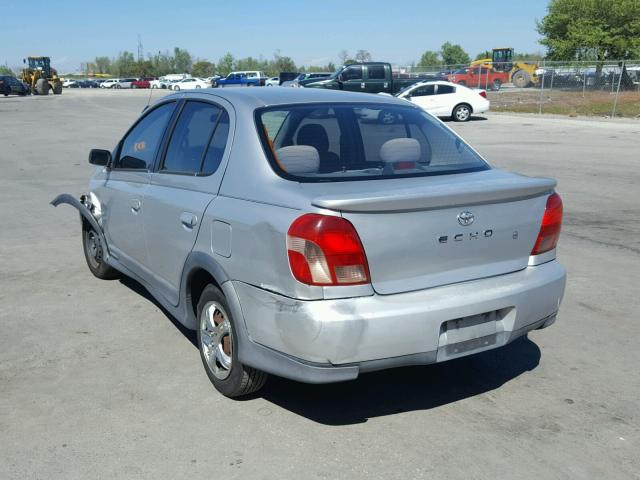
(477, 77)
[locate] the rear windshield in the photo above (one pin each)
(334, 142)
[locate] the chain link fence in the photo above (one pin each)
(610, 89)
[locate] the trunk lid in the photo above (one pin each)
(429, 231)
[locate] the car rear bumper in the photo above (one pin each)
(333, 340)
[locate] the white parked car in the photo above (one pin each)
(125, 82)
(273, 82)
(68, 83)
(161, 82)
(188, 84)
(110, 83)
(446, 99)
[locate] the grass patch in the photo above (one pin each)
(567, 103)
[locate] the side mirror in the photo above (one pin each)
(341, 77)
(101, 158)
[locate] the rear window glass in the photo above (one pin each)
(335, 142)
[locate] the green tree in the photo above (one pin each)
(124, 64)
(182, 60)
(225, 64)
(483, 55)
(591, 29)
(429, 58)
(283, 64)
(453, 54)
(5, 70)
(102, 64)
(203, 68)
(362, 56)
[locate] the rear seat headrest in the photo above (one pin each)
(299, 159)
(400, 150)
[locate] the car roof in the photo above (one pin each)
(262, 96)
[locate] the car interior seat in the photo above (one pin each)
(314, 135)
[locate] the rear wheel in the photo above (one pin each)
(521, 79)
(218, 345)
(495, 86)
(93, 254)
(57, 88)
(462, 113)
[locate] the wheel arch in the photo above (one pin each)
(462, 103)
(200, 270)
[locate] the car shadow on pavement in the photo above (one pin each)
(143, 292)
(473, 118)
(403, 389)
(387, 392)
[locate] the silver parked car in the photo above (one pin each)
(300, 240)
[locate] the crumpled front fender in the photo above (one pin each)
(86, 214)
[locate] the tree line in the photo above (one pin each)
(181, 61)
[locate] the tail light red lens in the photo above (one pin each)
(326, 250)
(482, 93)
(550, 228)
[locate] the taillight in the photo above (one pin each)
(482, 93)
(326, 250)
(550, 228)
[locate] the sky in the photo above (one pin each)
(312, 32)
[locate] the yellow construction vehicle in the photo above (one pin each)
(41, 77)
(521, 74)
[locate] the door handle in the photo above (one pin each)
(188, 220)
(362, 85)
(135, 205)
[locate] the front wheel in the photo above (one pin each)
(495, 86)
(93, 254)
(218, 346)
(462, 113)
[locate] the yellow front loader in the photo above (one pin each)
(521, 74)
(41, 77)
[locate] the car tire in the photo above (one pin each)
(496, 85)
(42, 86)
(176, 88)
(463, 83)
(93, 254)
(154, 86)
(218, 347)
(198, 86)
(57, 89)
(461, 113)
(521, 79)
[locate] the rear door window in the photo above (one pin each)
(190, 138)
(376, 72)
(444, 89)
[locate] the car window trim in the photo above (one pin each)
(142, 117)
(169, 134)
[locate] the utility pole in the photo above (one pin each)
(140, 50)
